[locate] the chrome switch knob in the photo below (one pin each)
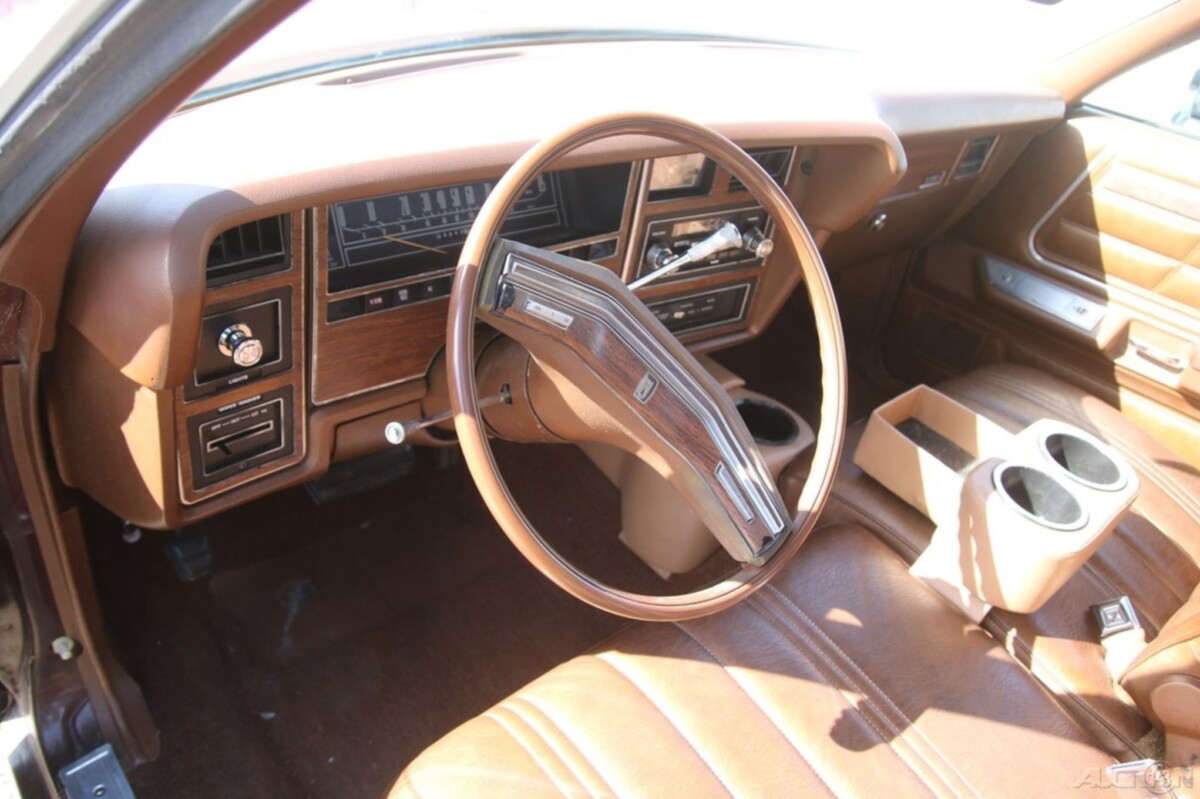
(658, 255)
(754, 241)
(238, 342)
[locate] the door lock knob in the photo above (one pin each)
(238, 342)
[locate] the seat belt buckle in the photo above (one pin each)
(1121, 634)
(1115, 616)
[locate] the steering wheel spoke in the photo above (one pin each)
(585, 324)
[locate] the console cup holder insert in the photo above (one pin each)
(767, 422)
(1039, 496)
(1083, 461)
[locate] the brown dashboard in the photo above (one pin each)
(320, 323)
(377, 278)
(241, 315)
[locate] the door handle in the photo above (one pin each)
(1158, 355)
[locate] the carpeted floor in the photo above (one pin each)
(336, 641)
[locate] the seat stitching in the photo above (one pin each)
(892, 531)
(1082, 702)
(1153, 569)
(511, 706)
(1166, 481)
(1100, 579)
(884, 738)
(669, 720)
(867, 698)
(799, 752)
(490, 715)
(1062, 683)
(863, 673)
(1150, 567)
(593, 762)
(1046, 400)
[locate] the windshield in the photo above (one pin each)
(975, 34)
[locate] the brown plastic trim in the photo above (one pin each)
(117, 701)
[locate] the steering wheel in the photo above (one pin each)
(635, 382)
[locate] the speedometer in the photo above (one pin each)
(401, 235)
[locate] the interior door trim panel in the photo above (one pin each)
(1172, 314)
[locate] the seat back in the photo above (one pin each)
(1164, 681)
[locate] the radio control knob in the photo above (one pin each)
(754, 241)
(658, 255)
(238, 342)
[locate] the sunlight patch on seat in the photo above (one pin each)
(843, 616)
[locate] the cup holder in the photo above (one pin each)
(1039, 496)
(767, 422)
(1083, 461)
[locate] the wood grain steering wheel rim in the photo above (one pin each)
(460, 356)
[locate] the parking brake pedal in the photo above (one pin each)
(360, 475)
(190, 555)
(96, 774)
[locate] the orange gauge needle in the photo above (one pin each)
(408, 243)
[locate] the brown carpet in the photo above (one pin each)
(336, 641)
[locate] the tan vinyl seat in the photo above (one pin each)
(1151, 557)
(844, 677)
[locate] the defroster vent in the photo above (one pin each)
(975, 157)
(249, 250)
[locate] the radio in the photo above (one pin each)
(669, 238)
(722, 306)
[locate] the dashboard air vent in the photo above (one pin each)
(975, 157)
(255, 248)
(776, 161)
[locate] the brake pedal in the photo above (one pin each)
(190, 554)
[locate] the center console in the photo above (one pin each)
(1016, 514)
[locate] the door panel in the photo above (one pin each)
(1135, 217)
(1085, 262)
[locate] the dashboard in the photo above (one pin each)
(291, 297)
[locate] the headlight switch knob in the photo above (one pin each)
(238, 342)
